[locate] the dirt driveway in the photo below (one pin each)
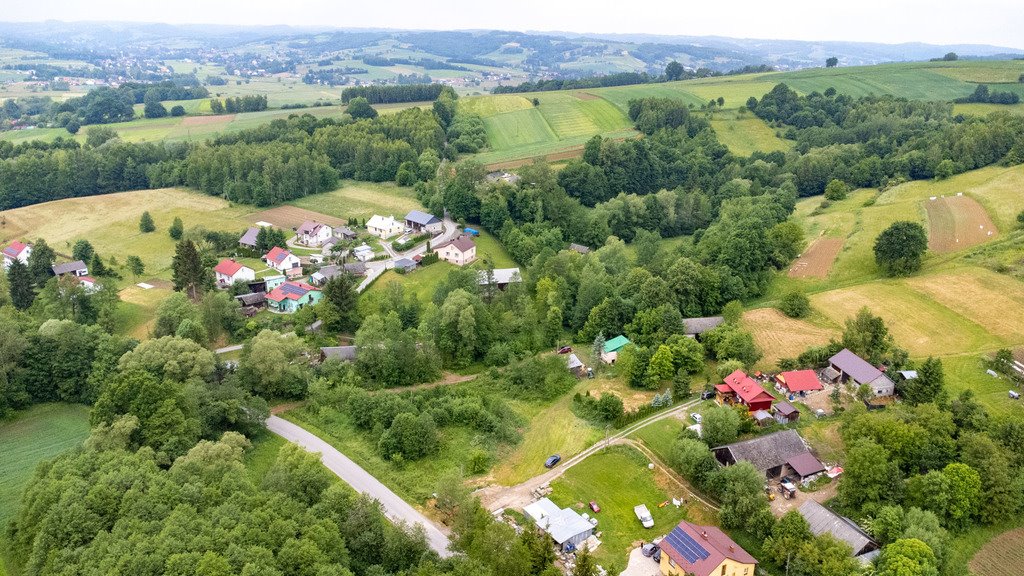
(780, 505)
(640, 565)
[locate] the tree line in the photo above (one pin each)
(390, 94)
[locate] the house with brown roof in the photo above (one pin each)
(459, 251)
(703, 551)
(16, 251)
(313, 233)
(228, 271)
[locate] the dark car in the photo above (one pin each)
(565, 349)
(552, 460)
(707, 394)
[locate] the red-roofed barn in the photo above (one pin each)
(797, 381)
(742, 389)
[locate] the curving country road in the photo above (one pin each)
(395, 508)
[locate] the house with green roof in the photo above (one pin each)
(611, 349)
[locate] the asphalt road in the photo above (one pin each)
(395, 508)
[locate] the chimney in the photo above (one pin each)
(732, 548)
(704, 534)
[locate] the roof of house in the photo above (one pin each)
(694, 326)
(87, 280)
(560, 524)
(785, 408)
(700, 550)
(357, 268)
(856, 367)
(252, 299)
(882, 381)
(342, 353)
(328, 272)
(908, 374)
(68, 267)
(762, 415)
(822, 520)
(574, 362)
(277, 254)
(799, 380)
(462, 243)
(768, 451)
(345, 231)
(290, 291)
(310, 227)
(421, 218)
(405, 263)
(249, 238)
(500, 276)
(805, 464)
(228, 267)
(15, 248)
(383, 222)
(746, 388)
(615, 344)
(580, 248)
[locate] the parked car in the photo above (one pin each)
(707, 394)
(594, 506)
(1014, 395)
(696, 417)
(649, 549)
(644, 516)
(552, 461)
(565, 349)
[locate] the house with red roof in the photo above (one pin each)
(459, 251)
(284, 262)
(739, 388)
(16, 251)
(799, 381)
(703, 551)
(289, 297)
(228, 271)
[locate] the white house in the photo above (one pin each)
(229, 271)
(363, 253)
(284, 262)
(383, 227)
(16, 251)
(313, 233)
(459, 251)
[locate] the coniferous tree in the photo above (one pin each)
(97, 267)
(19, 280)
(40, 261)
(177, 229)
(188, 272)
(146, 224)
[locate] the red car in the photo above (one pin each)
(565, 349)
(594, 506)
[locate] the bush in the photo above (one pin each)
(178, 110)
(795, 305)
(836, 190)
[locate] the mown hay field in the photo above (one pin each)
(956, 223)
(746, 134)
(1002, 556)
(779, 336)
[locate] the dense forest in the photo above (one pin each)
(393, 94)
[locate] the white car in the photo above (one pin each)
(696, 418)
(644, 516)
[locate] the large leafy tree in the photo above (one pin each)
(870, 479)
(900, 248)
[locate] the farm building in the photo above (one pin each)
(785, 412)
(849, 366)
(284, 262)
(771, 453)
(575, 365)
(423, 222)
(763, 418)
(228, 271)
(89, 283)
(739, 388)
(459, 251)
(405, 264)
(327, 247)
(579, 248)
(345, 233)
(824, 521)
(76, 268)
(248, 240)
(291, 297)
(384, 228)
(697, 326)
(341, 353)
(252, 302)
(703, 551)
(363, 253)
(16, 251)
(313, 233)
(500, 277)
(799, 381)
(565, 526)
(610, 353)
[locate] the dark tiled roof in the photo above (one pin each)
(694, 326)
(822, 520)
(249, 238)
(68, 267)
(421, 218)
(768, 451)
(805, 464)
(342, 353)
(462, 243)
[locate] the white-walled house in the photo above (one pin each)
(313, 233)
(384, 228)
(16, 251)
(228, 271)
(284, 262)
(459, 251)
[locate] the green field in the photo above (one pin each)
(32, 436)
(618, 480)
(746, 134)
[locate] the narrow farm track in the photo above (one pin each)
(497, 497)
(396, 509)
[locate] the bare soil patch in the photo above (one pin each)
(957, 222)
(207, 120)
(817, 260)
(290, 217)
(1004, 554)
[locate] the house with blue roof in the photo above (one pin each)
(423, 222)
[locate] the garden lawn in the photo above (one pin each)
(659, 436)
(618, 479)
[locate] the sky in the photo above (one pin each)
(998, 22)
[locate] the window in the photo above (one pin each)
(723, 569)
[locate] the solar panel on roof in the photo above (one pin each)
(689, 548)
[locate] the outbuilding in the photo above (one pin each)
(824, 521)
(853, 367)
(769, 453)
(785, 412)
(423, 222)
(565, 526)
(799, 381)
